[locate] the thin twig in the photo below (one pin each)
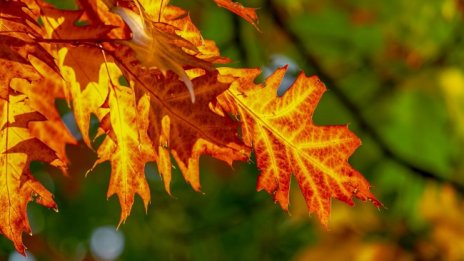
(77, 41)
(237, 39)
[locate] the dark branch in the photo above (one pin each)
(242, 52)
(350, 105)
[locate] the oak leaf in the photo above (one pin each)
(19, 32)
(175, 128)
(17, 185)
(87, 91)
(83, 88)
(287, 142)
(153, 118)
(42, 94)
(247, 13)
(186, 130)
(156, 45)
(75, 25)
(127, 145)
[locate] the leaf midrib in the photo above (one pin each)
(315, 161)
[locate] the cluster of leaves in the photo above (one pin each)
(144, 70)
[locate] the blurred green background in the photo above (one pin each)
(395, 73)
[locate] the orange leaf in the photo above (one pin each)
(156, 45)
(189, 130)
(42, 95)
(19, 30)
(17, 185)
(287, 142)
(62, 24)
(83, 86)
(249, 14)
(153, 119)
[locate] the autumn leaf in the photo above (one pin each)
(41, 96)
(157, 46)
(88, 84)
(127, 145)
(94, 90)
(25, 64)
(85, 55)
(186, 130)
(173, 118)
(249, 14)
(83, 87)
(26, 61)
(18, 34)
(155, 8)
(87, 90)
(75, 25)
(17, 185)
(287, 142)
(182, 25)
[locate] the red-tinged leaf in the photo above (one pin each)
(63, 24)
(188, 130)
(154, 119)
(41, 96)
(249, 14)
(287, 142)
(18, 34)
(183, 26)
(157, 46)
(17, 185)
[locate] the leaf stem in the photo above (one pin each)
(79, 41)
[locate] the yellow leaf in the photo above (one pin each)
(41, 96)
(17, 185)
(88, 82)
(127, 145)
